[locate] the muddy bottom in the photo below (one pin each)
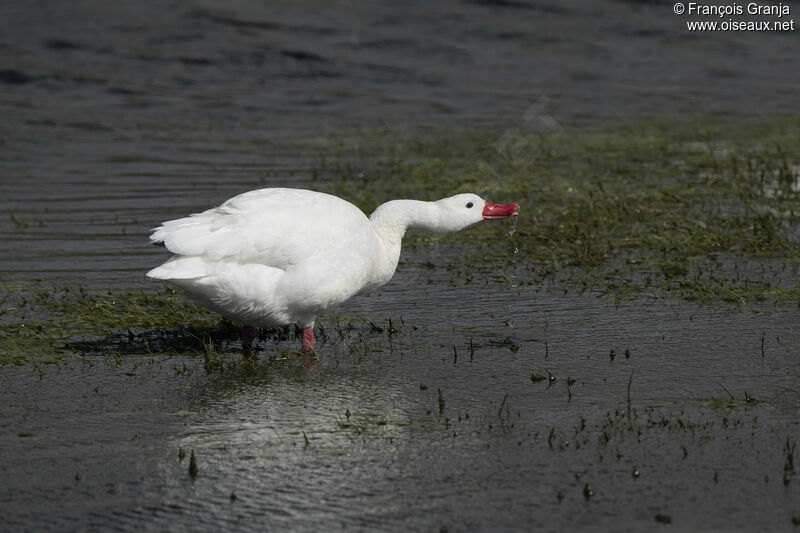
(482, 407)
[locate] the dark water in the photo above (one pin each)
(494, 455)
(116, 117)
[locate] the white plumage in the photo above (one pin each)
(280, 256)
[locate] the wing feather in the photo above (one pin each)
(274, 227)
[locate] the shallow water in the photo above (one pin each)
(117, 118)
(383, 452)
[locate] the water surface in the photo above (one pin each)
(116, 118)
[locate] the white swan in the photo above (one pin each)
(272, 257)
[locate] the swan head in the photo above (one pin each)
(463, 210)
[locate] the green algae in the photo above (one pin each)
(703, 211)
(111, 312)
(71, 323)
(662, 206)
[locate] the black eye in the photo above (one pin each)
(469, 205)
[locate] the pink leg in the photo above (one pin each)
(309, 363)
(248, 335)
(308, 340)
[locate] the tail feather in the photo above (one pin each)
(209, 233)
(180, 267)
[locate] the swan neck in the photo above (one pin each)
(390, 222)
(392, 219)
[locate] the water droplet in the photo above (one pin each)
(513, 227)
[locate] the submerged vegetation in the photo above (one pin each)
(48, 325)
(643, 210)
(702, 211)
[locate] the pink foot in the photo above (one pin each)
(248, 335)
(308, 340)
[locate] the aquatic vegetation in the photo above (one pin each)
(110, 312)
(650, 206)
(656, 208)
(193, 466)
(788, 466)
(71, 323)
